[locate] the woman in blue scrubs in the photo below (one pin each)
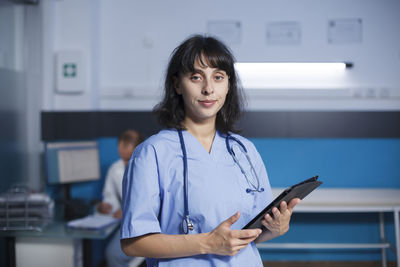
(202, 102)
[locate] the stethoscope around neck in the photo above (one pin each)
(253, 182)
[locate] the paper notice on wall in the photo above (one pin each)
(345, 31)
(284, 33)
(228, 31)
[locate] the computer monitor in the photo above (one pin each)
(71, 162)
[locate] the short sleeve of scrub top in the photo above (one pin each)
(153, 193)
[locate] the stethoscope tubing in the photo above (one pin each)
(185, 174)
(186, 222)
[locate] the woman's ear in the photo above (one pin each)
(176, 83)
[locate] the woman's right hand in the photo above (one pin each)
(222, 241)
(225, 241)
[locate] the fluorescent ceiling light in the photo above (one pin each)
(266, 67)
(292, 74)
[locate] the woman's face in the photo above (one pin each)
(203, 91)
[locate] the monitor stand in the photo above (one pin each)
(74, 208)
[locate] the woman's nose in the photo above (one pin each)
(208, 87)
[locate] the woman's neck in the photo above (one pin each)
(204, 132)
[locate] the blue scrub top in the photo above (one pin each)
(153, 199)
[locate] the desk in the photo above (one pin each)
(340, 200)
(58, 230)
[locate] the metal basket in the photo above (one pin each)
(22, 210)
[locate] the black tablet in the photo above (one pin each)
(300, 190)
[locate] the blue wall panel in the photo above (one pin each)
(350, 163)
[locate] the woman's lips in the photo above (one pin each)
(207, 103)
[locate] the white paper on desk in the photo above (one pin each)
(92, 222)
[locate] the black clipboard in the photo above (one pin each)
(300, 190)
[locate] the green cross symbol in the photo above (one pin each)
(69, 70)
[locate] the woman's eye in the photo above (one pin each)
(219, 77)
(195, 78)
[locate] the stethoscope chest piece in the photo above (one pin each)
(187, 225)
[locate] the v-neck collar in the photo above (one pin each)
(194, 147)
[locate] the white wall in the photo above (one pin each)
(127, 44)
(67, 26)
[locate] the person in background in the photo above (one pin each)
(112, 195)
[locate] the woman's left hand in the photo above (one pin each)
(278, 224)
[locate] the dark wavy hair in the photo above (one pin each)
(170, 111)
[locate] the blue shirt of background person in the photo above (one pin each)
(203, 99)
